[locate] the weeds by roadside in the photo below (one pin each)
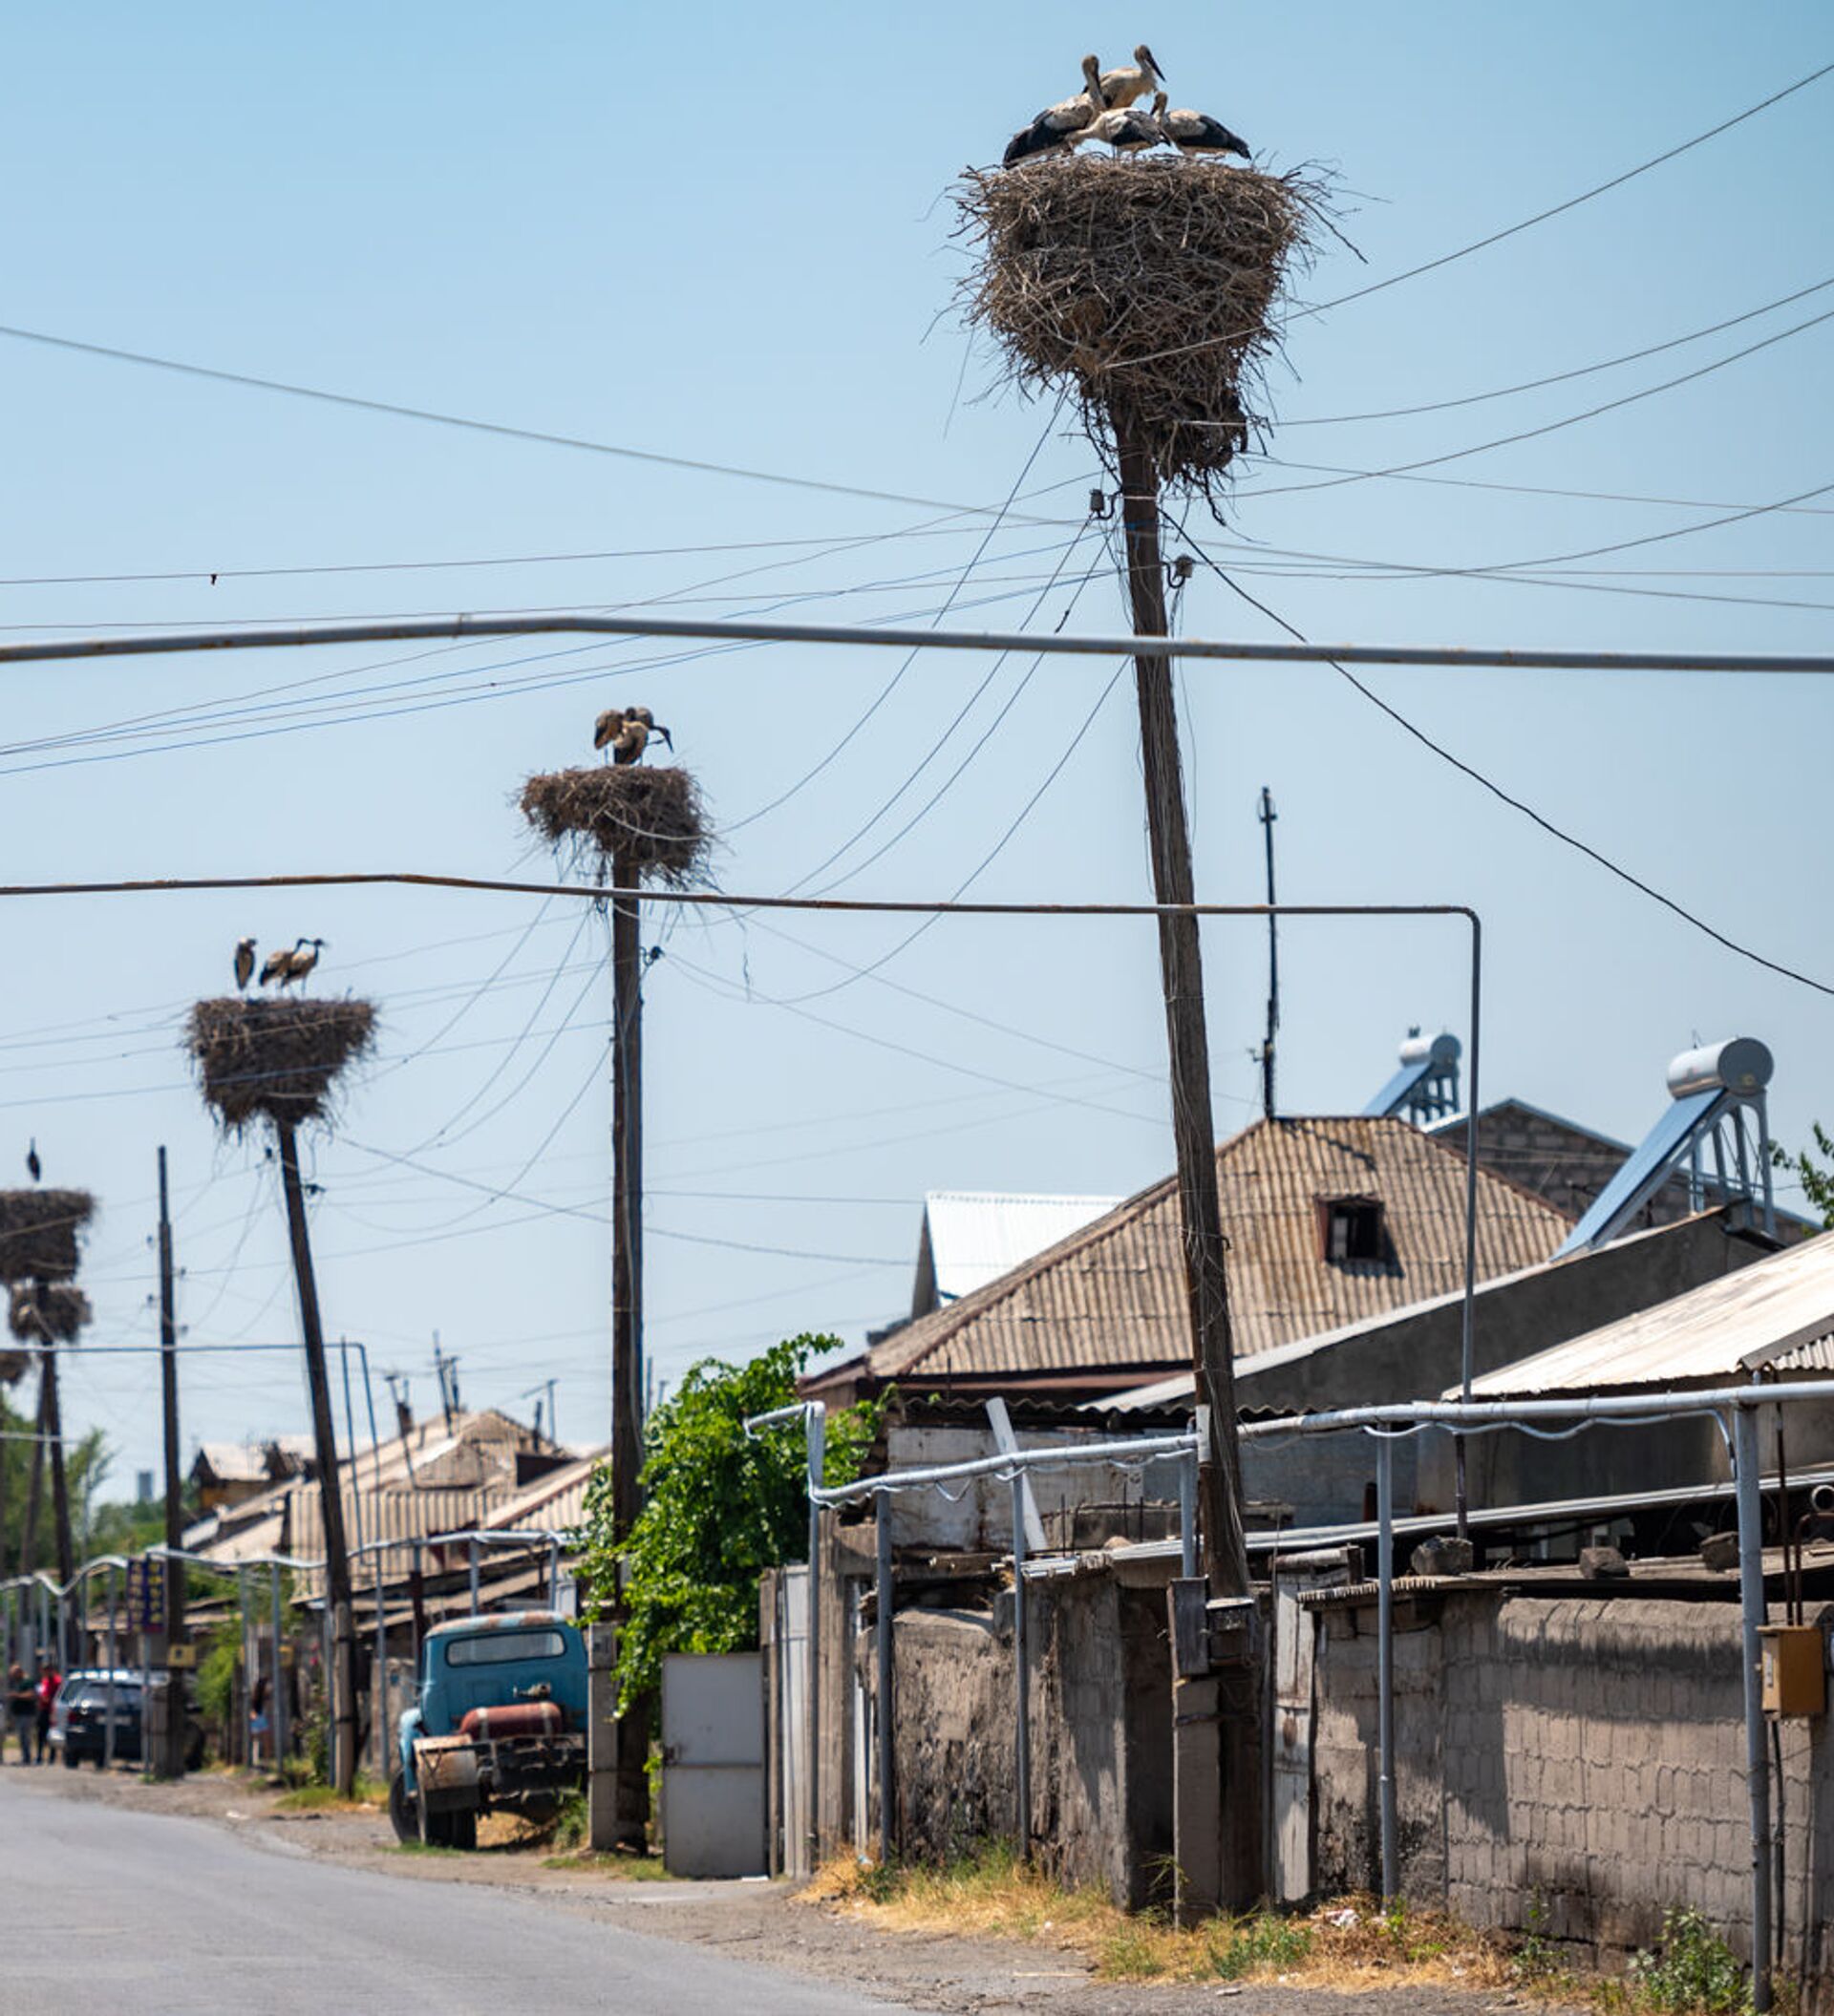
(367, 1795)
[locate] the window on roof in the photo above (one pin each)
(1352, 1228)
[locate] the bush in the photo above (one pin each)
(1692, 1972)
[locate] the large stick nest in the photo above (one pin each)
(648, 823)
(38, 1232)
(48, 1313)
(1146, 286)
(13, 1366)
(274, 1059)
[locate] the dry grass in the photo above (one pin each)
(274, 1059)
(1345, 1946)
(42, 1313)
(38, 1233)
(1146, 286)
(648, 822)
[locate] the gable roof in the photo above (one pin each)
(972, 1237)
(1109, 1299)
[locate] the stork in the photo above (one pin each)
(244, 963)
(1196, 132)
(1126, 129)
(625, 733)
(1060, 124)
(1120, 88)
(292, 964)
(34, 1168)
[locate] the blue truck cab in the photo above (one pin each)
(499, 1723)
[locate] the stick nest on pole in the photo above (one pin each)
(274, 1059)
(38, 1233)
(46, 1313)
(1143, 286)
(652, 819)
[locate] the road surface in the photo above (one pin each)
(109, 1911)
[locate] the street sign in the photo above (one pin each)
(145, 1594)
(178, 1656)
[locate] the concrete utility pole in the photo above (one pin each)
(172, 1764)
(338, 1561)
(1225, 1552)
(627, 1301)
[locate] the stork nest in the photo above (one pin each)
(274, 1059)
(48, 1313)
(38, 1231)
(13, 1366)
(623, 819)
(1146, 286)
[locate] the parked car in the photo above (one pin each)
(80, 1720)
(499, 1723)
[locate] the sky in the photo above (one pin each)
(728, 237)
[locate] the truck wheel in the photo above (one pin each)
(403, 1809)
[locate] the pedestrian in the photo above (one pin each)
(22, 1712)
(49, 1679)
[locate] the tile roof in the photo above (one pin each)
(1111, 1297)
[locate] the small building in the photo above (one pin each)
(229, 1474)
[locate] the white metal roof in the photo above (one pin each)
(1777, 1313)
(976, 1236)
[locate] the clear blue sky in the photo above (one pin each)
(725, 234)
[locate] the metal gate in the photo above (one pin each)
(713, 1764)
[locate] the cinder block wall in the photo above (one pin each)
(1575, 1765)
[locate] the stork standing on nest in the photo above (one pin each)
(244, 963)
(625, 730)
(34, 1168)
(1196, 132)
(292, 965)
(1127, 129)
(1060, 125)
(1120, 88)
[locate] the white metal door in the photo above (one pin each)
(713, 1763)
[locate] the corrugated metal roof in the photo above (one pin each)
(1112, 1295)
(1779, 1313)
(976, 1236)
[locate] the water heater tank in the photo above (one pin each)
(1441, 1052)
(1741, 1065)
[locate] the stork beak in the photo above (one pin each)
(659, 730)
(1152, 64)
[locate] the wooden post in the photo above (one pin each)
(633, 1793)
(338, 1561)
(172, 1764)
(1225, 1549)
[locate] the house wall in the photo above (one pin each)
(1572, 1766)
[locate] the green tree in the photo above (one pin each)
(719, 1507)
(1817, 1179)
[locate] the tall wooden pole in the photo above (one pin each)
(172, 1764)
(338, 1561)
(627, 1302)
(1224, 1557)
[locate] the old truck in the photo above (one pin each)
(499, 1725)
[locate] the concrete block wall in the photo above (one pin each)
(1575, 1765)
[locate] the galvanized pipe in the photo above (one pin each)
(379, 1678)
(250, 1669)
(474, 1574)
(1753, 1616)
(1385, 1660)
(1139, 1450)
(1187, 1515)
(1715, 1400)
(881, 1626)
(277, 1716)
(815, 1435)
(904, 637)
(1021, 1679)
(108, 1728)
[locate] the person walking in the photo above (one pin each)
(49, 1679)
(22, 1712)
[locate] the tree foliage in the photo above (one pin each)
(1817, 1179)
(719, 1507)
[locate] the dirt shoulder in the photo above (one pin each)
(763, 1923)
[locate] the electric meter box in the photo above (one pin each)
(1793, 1669)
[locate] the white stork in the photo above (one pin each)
(1196, 132)
(244, 963)
(34, 1168)
(294, 963)
(1120, 88)
(626, 732)
(1061, 124)
(1126, 129)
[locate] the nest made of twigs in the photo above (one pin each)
(14, 1366)
(624, 820)
(48, 1312)
(274, 1059)
(1145, 286)
(38, 1233)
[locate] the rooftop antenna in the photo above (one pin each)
(1267, 815)
(535, 1393)
(443, 1370)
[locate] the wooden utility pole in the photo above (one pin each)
(1225, 1549)
(172, 1764)
(338, 1561)
(627, 1301)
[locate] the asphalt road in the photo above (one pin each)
(104, 1910)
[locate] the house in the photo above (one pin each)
(1329, 1222)
(229, 1474)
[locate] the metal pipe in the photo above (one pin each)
(1187, 1515)
(554, 1571)
(108, 1728)
(1385, 1660)
(1753, 1615)
(1468, 1308)
(1021, 1680)
(474, 1574)
(380, 1679)
(277, 1715)
(1505, 1413)
(815, 1433)
(882, 1624)
(904, 637)
(1141, 1449)
(250, 1659)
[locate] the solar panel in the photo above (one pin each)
(1393, 1095)
(1646, 1169)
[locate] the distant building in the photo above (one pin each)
(229, 1473)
